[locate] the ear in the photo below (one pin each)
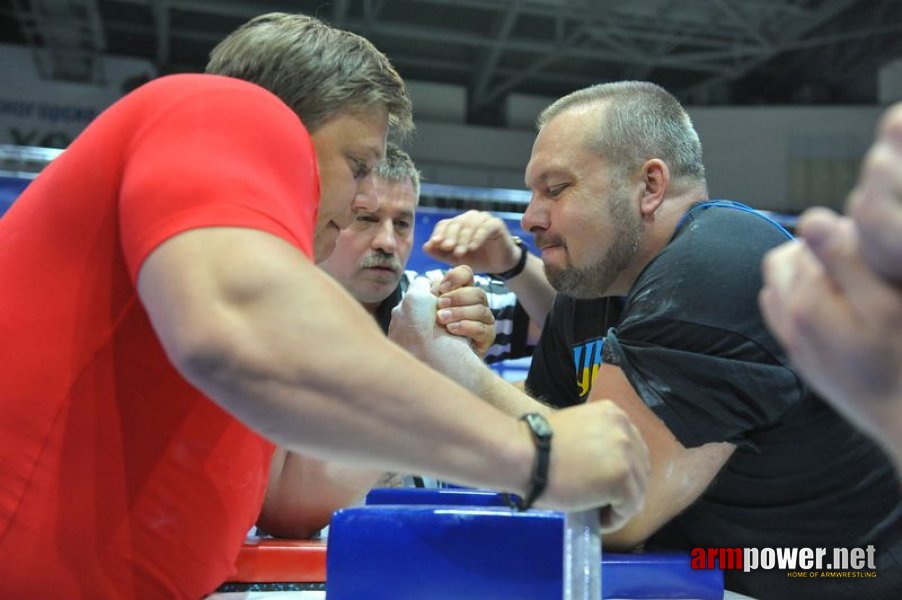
(655, 180)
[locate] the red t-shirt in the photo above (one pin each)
(117, 478)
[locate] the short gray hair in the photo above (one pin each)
(317, 70)
(641, 121)
(397, 166)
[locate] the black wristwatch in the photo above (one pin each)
(521, 263)
(541, 437)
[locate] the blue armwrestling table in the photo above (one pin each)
(448, 544)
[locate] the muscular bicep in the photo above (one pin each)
(238, 312)
(679, 474)
(202, 287)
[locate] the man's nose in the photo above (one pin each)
(535, 216)
(365, 199)
(386, 239)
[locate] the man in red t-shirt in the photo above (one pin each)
(163, 325)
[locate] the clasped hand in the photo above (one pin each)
(451, 309)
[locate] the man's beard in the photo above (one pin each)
(594, 280)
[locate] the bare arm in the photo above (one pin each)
(445, 352)
(256, 326)
(448, 356)
(679, 475)
(303, 493)
(248, 320)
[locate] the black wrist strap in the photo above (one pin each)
(541, 437)
(521, 263)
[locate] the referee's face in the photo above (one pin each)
(370, 255)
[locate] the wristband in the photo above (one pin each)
(541, 437)
(521, 263)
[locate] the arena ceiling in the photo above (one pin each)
(708, 52)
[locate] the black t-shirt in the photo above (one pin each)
(691, 341)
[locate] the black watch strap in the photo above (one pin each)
(521, 263)
(541, 437)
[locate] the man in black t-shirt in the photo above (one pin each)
(690, 343)
(657, 310)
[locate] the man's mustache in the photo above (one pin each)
(545, 240)
(384, 261)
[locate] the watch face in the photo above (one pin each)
(539, 425)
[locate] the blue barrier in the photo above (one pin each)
(426, 220)
(411, 552)
(10, 188)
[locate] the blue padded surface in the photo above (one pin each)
(440, 496)
(409, 552)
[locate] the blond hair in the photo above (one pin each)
(317, 70)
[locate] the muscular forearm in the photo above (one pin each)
(533, 290)
(289, 353)
(334, 403)
(505, 396)
(453, 357)
(678, 477)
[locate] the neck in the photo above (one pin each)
(667, 217)
(659, 229)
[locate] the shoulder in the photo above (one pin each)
(225, 101)
(188, 84)
(228, 116)
(720, 240)
(724, 227)
(709, 274)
